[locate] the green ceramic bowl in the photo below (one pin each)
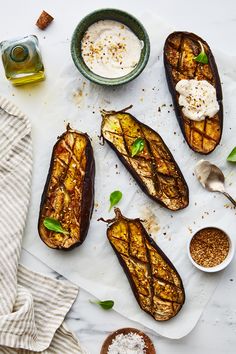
(109, 14)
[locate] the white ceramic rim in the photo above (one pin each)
(220, 266)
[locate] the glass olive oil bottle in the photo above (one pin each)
(22, 60)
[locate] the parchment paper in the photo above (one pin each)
(94, 266)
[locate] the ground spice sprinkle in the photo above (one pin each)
(209, 247)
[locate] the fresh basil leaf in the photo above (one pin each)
(106, 305)
(202, 57)
(54, 225)
(115, 197)
(137, 146)
(232, 155)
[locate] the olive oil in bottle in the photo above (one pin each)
(22, 60)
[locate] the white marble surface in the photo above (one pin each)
(215, 332)
(213, 19)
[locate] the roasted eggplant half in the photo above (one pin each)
(180, 52)
(154, 280)
(153, 166)
(68, 196)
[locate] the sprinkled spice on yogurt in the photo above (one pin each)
(110, 49)
(130, 343)
(197, 98)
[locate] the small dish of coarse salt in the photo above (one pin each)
(128, 341)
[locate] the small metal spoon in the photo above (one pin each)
(212, 178)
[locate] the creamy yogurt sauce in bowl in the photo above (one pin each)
(110, 49)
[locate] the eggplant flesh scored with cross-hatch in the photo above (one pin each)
(68, 194)
(154, 280)
(180, 49)
(154, 168)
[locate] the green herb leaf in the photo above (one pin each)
(137, 146)
(106, 305)
(54, 225)
(232, 155)
(202, 57)
(115, 197)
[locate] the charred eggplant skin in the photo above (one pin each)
(161, 306)
(84, 206)
(177, 67)
(134, 172)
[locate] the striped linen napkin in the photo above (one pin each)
(32, 306)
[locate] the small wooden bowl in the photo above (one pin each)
(149, 347)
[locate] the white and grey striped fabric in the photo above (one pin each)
(32, 306)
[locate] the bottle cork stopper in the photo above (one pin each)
(44, 20)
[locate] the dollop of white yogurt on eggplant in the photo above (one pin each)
(197, 99)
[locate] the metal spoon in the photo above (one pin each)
(212, 178)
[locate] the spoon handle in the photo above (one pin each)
(230, 198)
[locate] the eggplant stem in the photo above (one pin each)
(104, 112)
(101, 138)
(201, 45)
(118, 215)
(107, 221)
(68, 127)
